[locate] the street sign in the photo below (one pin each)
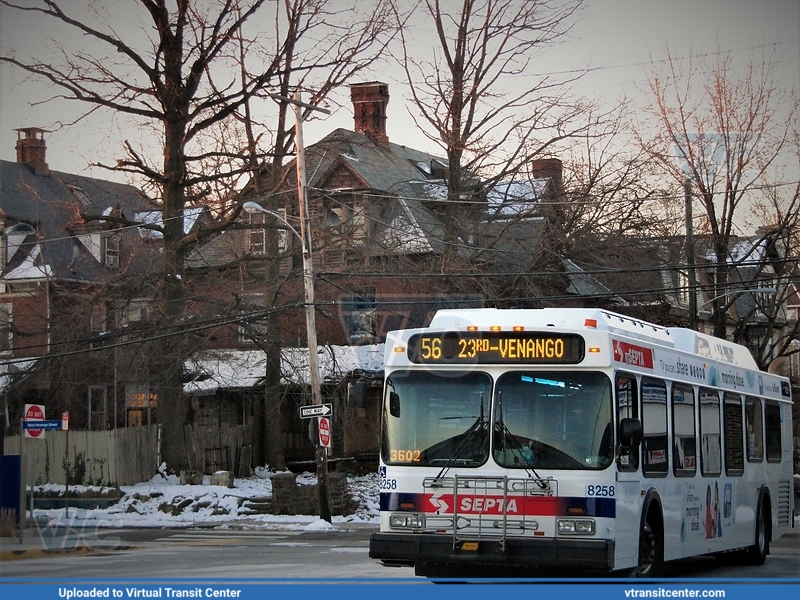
(324, 432)
(65, 421)
(32, 426)
(315, 410)
(33, 412)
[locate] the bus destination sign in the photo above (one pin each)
(495, 347)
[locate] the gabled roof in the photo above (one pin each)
(628, 270)
(406, 178)
(382, 167)
(53, 205)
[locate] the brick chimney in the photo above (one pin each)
(548, 168)
(31, 149)
(369, 109)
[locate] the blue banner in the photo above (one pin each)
(41, 424)
(421, 589)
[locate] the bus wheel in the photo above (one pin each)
(757, 553)
(651, 550)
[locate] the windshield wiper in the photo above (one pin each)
(477, 426)
(516, 447)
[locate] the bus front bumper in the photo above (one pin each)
(409, 548)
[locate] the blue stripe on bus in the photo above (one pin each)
(532, 505)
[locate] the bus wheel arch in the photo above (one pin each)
(651, 538)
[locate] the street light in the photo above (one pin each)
(308, 284)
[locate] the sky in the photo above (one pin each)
(622, 39)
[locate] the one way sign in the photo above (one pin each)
(315, 410)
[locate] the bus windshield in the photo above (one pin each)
(553, 420)
(434, 419)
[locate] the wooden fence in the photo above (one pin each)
(219, 448)
(115, 457)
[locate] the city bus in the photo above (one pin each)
(578, 439)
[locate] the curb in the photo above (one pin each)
(41, 552)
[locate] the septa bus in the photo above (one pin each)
(577, 438)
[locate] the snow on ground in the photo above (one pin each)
(164, 502)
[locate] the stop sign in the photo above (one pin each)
(34, 412)
(324, 432)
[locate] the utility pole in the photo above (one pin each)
(308, 284)
(687, 194)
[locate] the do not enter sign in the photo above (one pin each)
(34, 412)
(324, 432)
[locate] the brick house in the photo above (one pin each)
(70, 275)
(382, 261)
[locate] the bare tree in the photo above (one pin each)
(727, 131)
(478, 93)
(182, 78)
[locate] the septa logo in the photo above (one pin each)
(631, 354)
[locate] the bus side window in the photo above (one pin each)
(627, 408)
(734, 431)
(655, 444)
(684, 439)
(772, 422)
(754, 430)
(710, 434)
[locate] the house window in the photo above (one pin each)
(5, 327)
(360, 315)
(141, 405)
(252, 326)
(138, 311)
(683, 292)
(111, 250)
(98, 320)
(345, 223)
(98, 408)
(257, 239)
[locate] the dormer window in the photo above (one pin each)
(110, 250)
(82, 196)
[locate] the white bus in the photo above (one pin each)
(577, 438)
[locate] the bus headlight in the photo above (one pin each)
(407, 521)
(575, 526)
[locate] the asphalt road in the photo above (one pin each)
(199, 554)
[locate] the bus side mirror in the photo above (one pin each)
(394, 404)
(630, 432)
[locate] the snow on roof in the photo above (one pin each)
(28, 269)
(435, 190)
(742, 251)
(216, 369)
(8, 370)
(154, 217)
